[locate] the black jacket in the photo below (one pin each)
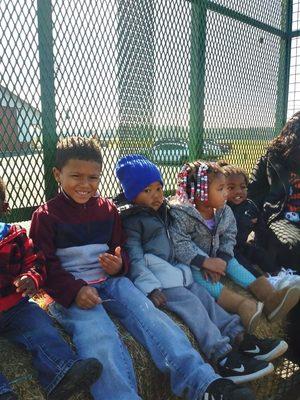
(244, 213)
(269, 187)
(250, 253)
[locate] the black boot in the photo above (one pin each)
(79, 377)
(224, 389)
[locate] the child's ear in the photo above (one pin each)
(56, 174)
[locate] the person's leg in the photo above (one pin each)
(28, 325)
(95, 335)
(248, 309)
(229, 324)
(4, 385)
(189, 307)
(214, 289)
(167, 344)
(239, 274)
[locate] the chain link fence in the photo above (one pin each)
(173, 80)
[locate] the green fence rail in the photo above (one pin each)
(172, 79)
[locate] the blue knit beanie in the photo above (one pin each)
(135, 172)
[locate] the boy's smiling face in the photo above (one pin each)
(152, 196)
(79, 179)
(237, 189)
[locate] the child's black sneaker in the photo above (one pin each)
(82, 374)
(8, 396)
(262, 349)
(224, 389)
(241, 368)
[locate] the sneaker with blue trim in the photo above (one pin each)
(286, 278)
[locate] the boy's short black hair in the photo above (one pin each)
(78, 148)
(235, 170)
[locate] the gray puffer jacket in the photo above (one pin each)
(193, 240)
(148, 233)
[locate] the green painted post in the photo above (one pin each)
(197, 77)
(46, 65)
(284, 66)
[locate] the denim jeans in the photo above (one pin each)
(4, 385)
(235, 271)
(26, 324)
(95, 335)
(212, 326)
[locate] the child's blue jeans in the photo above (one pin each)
(95, 335)
(235, 271)
(29, 326)
(212, 326)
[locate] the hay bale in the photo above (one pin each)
(15, 363)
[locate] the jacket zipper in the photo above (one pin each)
(286, 194)
(212, 233)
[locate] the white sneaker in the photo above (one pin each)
(285, 278)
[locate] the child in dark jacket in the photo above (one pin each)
(204, 231)
(22, 273)
(248, 252)
(169, 284)
(81, 236)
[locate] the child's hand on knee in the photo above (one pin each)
(87, 297)
(111, 263)
(213, 276)
(158, 298)
(215, 264)
(25, 285)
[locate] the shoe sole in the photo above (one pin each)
(289, 301)
(84, 381)
(251, 377)
(255, 318)
(275, 353)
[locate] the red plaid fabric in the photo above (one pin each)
(18, 257)
(293, 203)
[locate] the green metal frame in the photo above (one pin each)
(197, 64)
(197, 78)
(44, 14)
(199, 10)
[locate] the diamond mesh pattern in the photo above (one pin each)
(20, 109)
(269, 11)
(173, 80)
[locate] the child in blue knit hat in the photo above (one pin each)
(169, 284)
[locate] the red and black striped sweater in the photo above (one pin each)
(18, 257)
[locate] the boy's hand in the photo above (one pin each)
(25, 285)
(158, 298)
(215, 264)
(111, 263)
(87, 297)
